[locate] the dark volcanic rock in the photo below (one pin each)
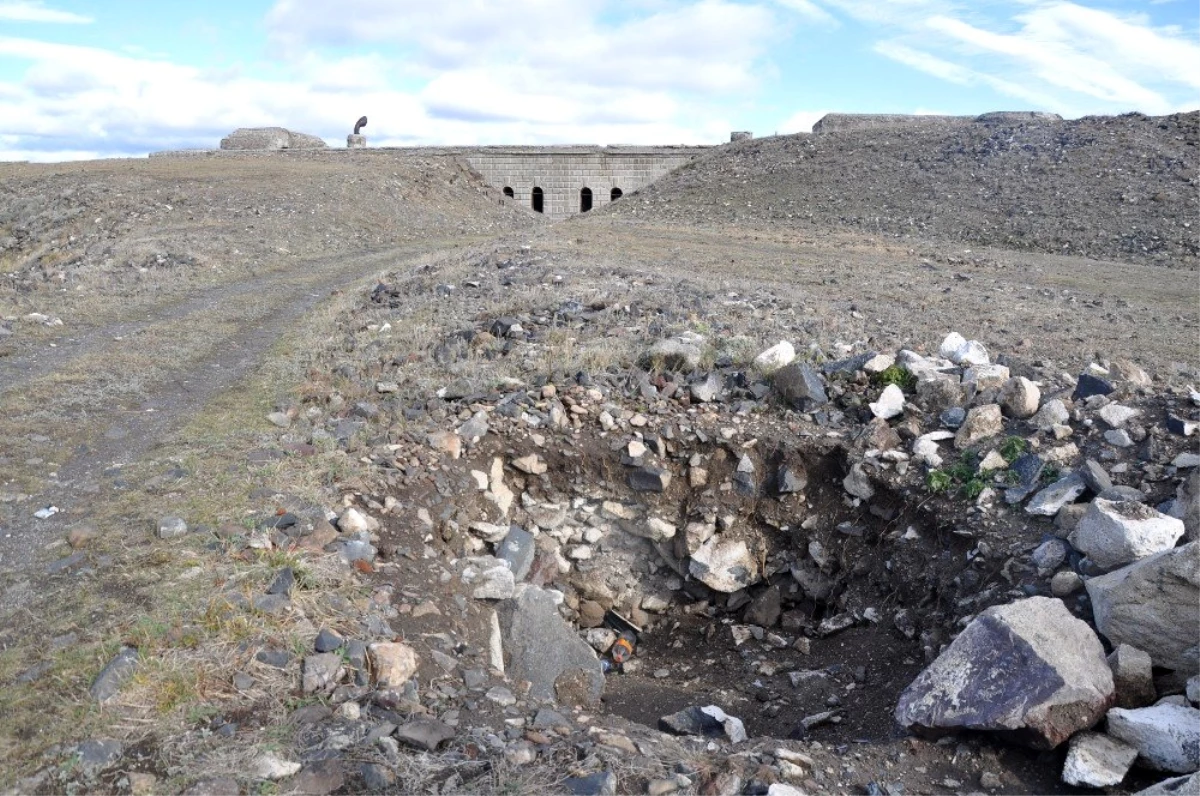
(800, 386)
(1029, 670)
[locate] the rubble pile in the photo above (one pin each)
(1019, 542)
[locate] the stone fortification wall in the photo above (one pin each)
(842, 122)
(562, 173)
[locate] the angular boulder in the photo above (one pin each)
(543, 649)
(724, 565)
(1116, 532)
(1097, 761)
(1166, 736)
(1151, 605)
(1029, 670)
(800, 386)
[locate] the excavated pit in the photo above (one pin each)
(844, 602)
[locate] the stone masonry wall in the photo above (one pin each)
(562, 175)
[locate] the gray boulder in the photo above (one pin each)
(1166, 736)
(544, 650)
(1151, 605)
(1097, 761)
(675, 353)
(801, 386)
(1029, 670)
(1113, 533)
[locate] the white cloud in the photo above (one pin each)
(809, 9)
(1055, 55)
(31, 11)
(923, 61)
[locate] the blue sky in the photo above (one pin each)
(125, 77)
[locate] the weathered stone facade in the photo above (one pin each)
(563, 173)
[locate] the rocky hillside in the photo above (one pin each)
(1121, 188)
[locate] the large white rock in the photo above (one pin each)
(1166, 736)
(775, 357)
(1019, 397)
(1112, 533)
(1097, 761)
(961, 351)
(1151, 605)
(724, 565)
(1029, 670)
(890, 403)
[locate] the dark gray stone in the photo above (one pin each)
(707, 722)
(953, 417)
(518, 549)
(376, 777)
(1048, 501)
(1119, 492)
(273, 604)
(356, 659)
(283, 582)
(328, 640)
(108, 683)
(1089, 385)
(1027, 469)
(1029, 670)
(793, 478)
(320, 777)
(850, 366)
(1095, 476)
(91, 757)
(764, 610)
(649, 479)
(279, 658)
(427, 734)
(1049, 555)
(800, 386)
(602, 783)
(542, 648)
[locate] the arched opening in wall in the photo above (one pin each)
(537, 201)
(585, 200)
(616, 194)
(508, 192)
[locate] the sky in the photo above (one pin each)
(83, 79)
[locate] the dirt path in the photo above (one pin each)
(238, 323)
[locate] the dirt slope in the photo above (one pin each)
(1121, 188)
